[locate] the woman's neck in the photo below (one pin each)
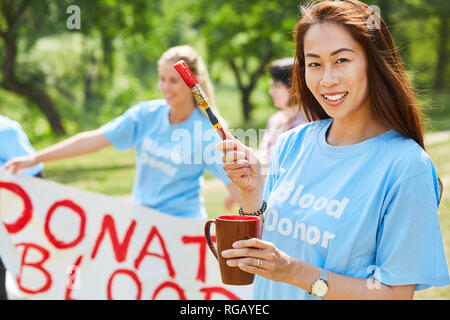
(353, 130)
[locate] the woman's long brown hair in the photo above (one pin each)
(393, 99)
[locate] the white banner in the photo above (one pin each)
(59, 242)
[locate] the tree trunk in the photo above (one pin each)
(108, 50)
(88, 86)
(27, 89)
(246, 104)
(41, 98)
(441, 66)
(246, 89)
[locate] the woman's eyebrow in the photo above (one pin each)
(313, 55)
(340, 50)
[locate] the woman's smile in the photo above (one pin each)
(334, 98)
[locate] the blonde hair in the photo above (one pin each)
(198, 67)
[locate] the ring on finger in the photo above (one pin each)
(259, 263)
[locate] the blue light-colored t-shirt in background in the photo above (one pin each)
(14, 143)
(364, 210)
(170, 159)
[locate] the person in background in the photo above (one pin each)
(289, 115)
(351, 200)
(173, 138)
(13, 143)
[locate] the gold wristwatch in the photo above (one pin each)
(320, 287)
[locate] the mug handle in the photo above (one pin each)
(208, 237)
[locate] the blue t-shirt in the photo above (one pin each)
(363, 210)
(14, 143)
(170, 159)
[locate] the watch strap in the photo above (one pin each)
(323, 275)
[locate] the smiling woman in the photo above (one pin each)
(336, 75)
(380, 237)
(363, 52)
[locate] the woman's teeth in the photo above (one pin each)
(336, 96)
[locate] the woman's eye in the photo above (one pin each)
(313, 65)
(341, 60)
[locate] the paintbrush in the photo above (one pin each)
(200, 96)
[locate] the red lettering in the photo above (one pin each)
(120, 248)
(165, 256)
(201, 240)
(169, 284)
(27, 212)
(132, 275)
(71, 281)
(78, 210)
(37, 265)
(209, 291)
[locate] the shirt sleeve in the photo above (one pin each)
(19, 145)
(122, 132)
(409, 242)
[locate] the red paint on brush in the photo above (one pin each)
(185, 73)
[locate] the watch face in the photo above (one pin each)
(319, 288)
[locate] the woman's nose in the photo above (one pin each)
(329, 78)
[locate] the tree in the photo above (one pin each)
(24, 22)
(441, 9)
(426, 12)
(12, 19)
(247, 36)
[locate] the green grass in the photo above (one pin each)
(440, 155)
(108, 171)
(437, 108)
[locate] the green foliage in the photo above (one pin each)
(255, 33)
(95, 73)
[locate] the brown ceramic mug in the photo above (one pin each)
(230, 229)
